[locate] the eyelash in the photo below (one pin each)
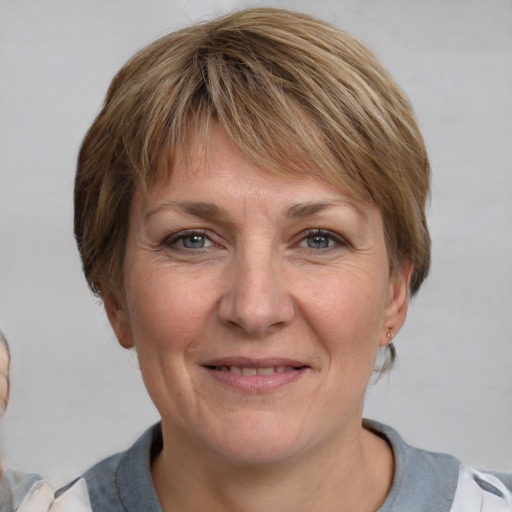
(322, 233)
(174, 239)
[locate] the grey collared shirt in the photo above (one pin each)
(423, 481)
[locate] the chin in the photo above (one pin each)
(259, 440)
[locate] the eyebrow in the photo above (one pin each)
(206, 210)
(200, 209)
(299, 211)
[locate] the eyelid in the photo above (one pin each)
(173, 238)
(336, 237)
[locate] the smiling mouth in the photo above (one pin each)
(252, 371)
(256, 375)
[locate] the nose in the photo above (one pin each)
(256, 300)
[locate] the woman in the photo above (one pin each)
(250, 206)
(28, 492)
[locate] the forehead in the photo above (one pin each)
(211, 165)
(206, 145)
(216, 181)
(211, 159)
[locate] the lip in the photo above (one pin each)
(253, 362)
(290, 370)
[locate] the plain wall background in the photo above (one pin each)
(77, 396)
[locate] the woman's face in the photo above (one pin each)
(256, 304)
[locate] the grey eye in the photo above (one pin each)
(319, 241)
(195, 241)
(189, 240)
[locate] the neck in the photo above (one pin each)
(350, 475)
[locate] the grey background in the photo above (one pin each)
(77, 396)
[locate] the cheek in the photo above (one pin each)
(167, 311)
(168, 317)
(346, 308)
(346, 314)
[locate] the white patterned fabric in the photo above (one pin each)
(40, 499)
(480, 492)
(24, 492)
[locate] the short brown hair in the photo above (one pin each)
(293, 93)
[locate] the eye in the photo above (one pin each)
(193, 240)
(320, 239)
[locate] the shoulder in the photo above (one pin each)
(101, 484)
(426, 481)
(122, 482)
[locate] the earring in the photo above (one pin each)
(390, 336)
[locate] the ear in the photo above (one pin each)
(397, 304)
(119, 319)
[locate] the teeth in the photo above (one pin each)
(242, 370)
